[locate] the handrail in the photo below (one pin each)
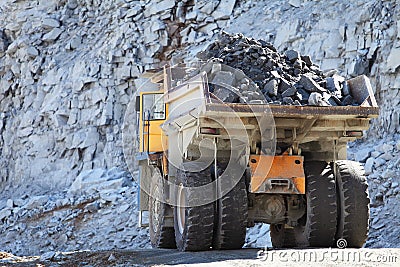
(148, 132)
(146, 124)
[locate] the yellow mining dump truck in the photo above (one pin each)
(210, 169)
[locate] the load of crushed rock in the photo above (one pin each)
(288, 79)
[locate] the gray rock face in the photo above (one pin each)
(4, 213)
(36, 202)
(224, 9)
(99, 202)
(50, 23)
(363, 154)
(295, 3)
(52, 35)
(158, 6)
(382, 172)
(47, 256)
(65, 84)
(369, 165)
(72, 4)
(67, 75)
(360, 66)
(3, 41)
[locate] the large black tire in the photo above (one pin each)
(161, 236)
(353, 203)
(282, 237)
(318, 227)
(193, 225)
(231, 214)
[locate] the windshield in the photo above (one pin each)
(153, 107)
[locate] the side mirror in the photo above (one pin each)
(138, 103)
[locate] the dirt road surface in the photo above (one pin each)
(235, 258)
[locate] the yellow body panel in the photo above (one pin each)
(151, 137)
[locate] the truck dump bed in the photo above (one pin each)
(200, 109)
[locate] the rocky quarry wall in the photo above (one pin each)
(68, 71)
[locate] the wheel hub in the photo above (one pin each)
(156, 209)
(181, 214)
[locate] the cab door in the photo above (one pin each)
(153, 113)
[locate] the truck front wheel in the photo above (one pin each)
(161, 235)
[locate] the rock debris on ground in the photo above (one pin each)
(97, 212)
(382, 166)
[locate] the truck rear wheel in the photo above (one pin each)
(161, 236)
(231, 216)
(282, 237)
(193, 225)
(317, 228)
(353, 203)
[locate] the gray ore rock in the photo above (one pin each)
(288, 79)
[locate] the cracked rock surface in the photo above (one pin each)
(68, 70)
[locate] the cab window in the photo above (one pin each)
(153, 107)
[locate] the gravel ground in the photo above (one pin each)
(237, 258)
